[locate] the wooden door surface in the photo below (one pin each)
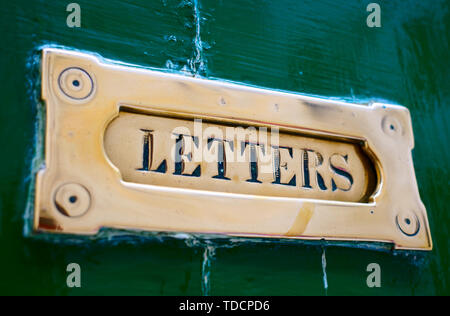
(323, 48)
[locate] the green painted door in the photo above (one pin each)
(322, 48)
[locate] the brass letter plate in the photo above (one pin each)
(138, 149)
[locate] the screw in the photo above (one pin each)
(76, 83)
(72, 200)
(408, 223)
(391, 125)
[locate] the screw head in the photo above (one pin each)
(408, 223)
(391, 126)
(72, 200)
(76, 83)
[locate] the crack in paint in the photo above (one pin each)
(208, 256)
(324, 271)
(197, 63)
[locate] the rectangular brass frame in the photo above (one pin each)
(84, 94)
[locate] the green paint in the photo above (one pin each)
(314, 47)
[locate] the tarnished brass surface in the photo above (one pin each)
(120, 145)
